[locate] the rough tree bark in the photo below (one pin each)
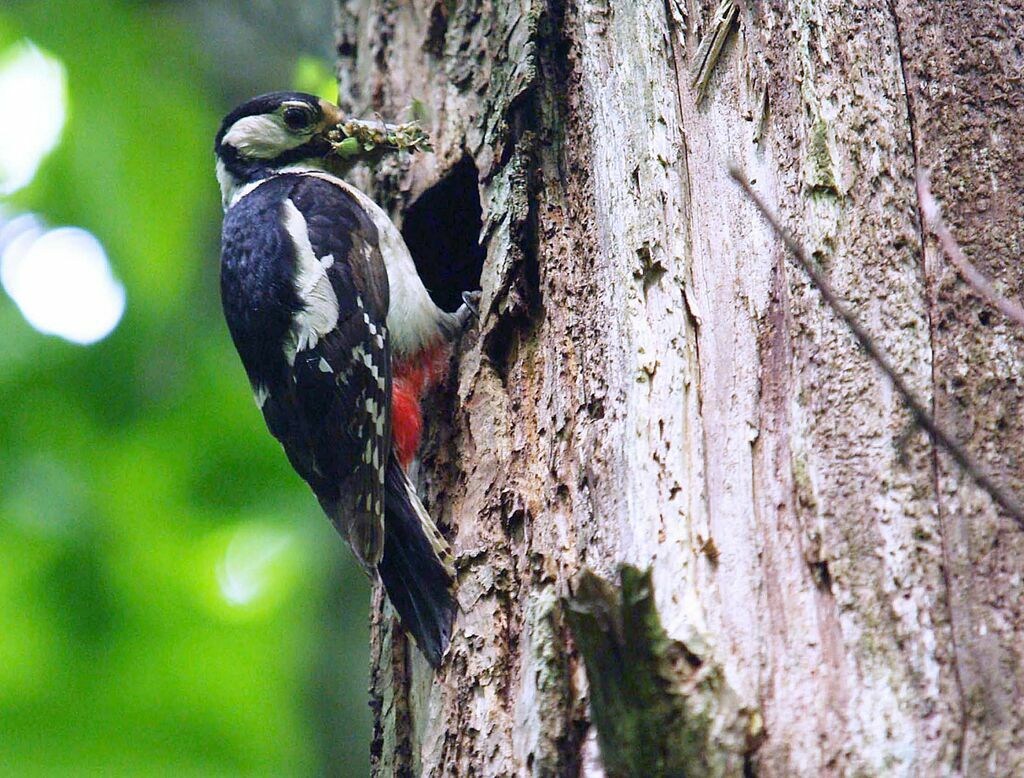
(654, 383)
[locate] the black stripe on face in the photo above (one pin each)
(246, 169)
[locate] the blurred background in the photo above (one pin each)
(172, 601)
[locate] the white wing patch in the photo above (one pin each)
(263, 137)
(320, 313)
(412, 316)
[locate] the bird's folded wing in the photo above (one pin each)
(341, 374)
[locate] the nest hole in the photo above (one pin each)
(442, 229)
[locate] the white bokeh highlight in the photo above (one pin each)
(60, 279)
(245, 572)
(34, 98)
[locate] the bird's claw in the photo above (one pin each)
(470, 306)
(460, 321)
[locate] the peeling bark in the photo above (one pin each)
(653, 383)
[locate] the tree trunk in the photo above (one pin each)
(653, 383)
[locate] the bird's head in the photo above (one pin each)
(270, 132)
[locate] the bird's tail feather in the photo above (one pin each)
(417, 567)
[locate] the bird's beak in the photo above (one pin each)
(332, 116)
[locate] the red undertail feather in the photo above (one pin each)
(411, 379)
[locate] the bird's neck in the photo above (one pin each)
(239, 175)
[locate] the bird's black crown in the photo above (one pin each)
(302, 120)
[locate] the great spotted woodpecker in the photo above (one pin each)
(339, 339)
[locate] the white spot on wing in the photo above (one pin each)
(368, 361)
(260, 395)
(435, 538)
(325, 366)
(320, 314)
(370, 326)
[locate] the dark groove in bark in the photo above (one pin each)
(934, 459)
(403, 766)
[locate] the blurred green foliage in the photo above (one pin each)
(171, 599)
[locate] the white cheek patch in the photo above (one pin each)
(320, 305)
(262, 136)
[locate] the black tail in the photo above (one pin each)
(416, 568)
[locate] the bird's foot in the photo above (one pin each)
(470, 308)
(460, 321)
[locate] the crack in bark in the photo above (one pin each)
(935, 472)
(691, 316)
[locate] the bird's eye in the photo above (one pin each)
(297, 118)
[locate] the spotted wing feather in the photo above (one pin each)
(350, 367)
